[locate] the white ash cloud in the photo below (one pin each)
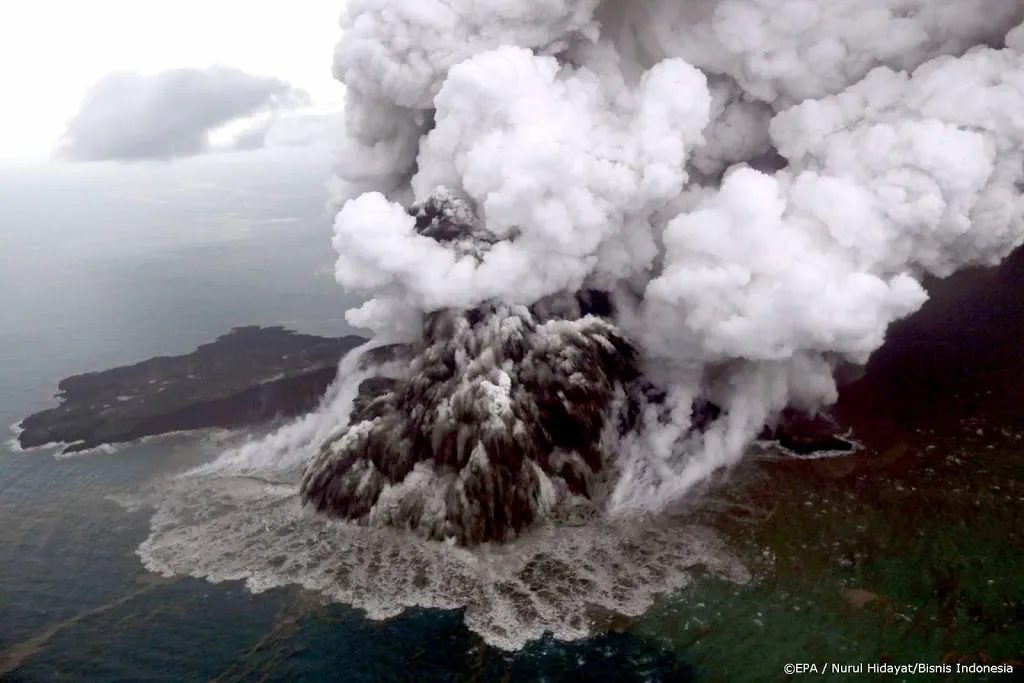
(755, 190)
(127, 116)
(761, 183)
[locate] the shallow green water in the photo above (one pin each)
(913, 555)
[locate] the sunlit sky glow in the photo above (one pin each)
(51, 51)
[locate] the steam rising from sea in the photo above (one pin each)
(757, 186)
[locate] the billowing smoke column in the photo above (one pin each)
(498, 421)
(756, 186)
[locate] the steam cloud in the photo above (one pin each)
(757, 187)
(497, 422)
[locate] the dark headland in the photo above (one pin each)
(247, 376)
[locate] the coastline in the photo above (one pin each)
(247, 376)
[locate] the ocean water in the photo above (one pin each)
(906, 552)
(102, 266)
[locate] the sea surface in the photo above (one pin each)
(106, 265)
(103, 266)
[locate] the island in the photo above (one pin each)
(248, 376)
(960, 354)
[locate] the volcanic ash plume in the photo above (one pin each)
(497, 423)
(753, 188)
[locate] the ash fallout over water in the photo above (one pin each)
(619, 237)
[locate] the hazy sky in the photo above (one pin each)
(52, 51)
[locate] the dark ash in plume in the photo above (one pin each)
(498, 422)
(450, 219)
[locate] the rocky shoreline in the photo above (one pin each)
(248, 376)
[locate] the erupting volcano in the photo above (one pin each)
(750, 191)
(614, 243)
(497, 422)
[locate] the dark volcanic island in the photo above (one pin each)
(247, 376)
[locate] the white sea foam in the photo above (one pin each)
(12, 444)
(106, 448)
(229, 526)
(239, 518)
(773, 450)
(213, 433)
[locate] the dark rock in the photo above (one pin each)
(498, 402)
(372, 397)
(960, 355)
(805, 434)
(386, 354)
(250, 375)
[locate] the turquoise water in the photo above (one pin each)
(104, 266)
